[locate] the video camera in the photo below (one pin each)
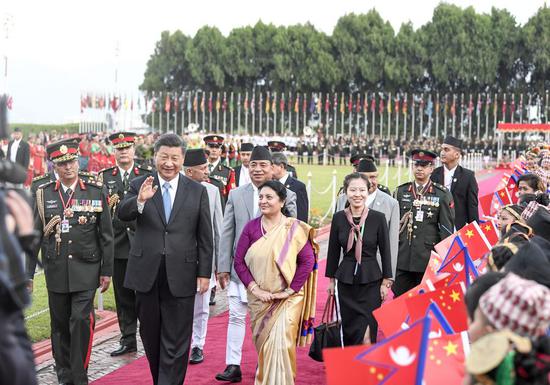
(11, 174)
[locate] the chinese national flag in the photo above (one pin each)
(397, 360)
(445, 360)
(450, 302)
(475, 240)
(488, 204)
(490, 231)
(504, 196)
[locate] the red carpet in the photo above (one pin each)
(309, 371)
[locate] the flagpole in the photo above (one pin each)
(404, 108)
(462, 115)
(454, 115)
(412, 117)
(253, 112)
(389, 115)
(478, 115)
(160, 113)
(373, 110)
(381, 113)
(335, 114)
(176, 107)
(167, 112)
(297, 112)
(546, 107)
(218, 113)
(470, 107)
(274, 113)
(396, 116)
(495, 113)
(342, 116)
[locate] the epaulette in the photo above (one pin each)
(221, 166)
(94, 183)
(37, 178)
(100, 171)
(440, 186)
(143, 167)
(46, 184)
(406, 184)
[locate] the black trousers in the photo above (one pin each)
(16, 357)
(72, 323)
(405, 281)
(357, 302)
(166, 323)
(125, 300)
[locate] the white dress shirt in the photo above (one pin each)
(244, 176)
(448, 176)
(284, 179)
(122, 171)
(13, 149)
(72, 187)
(173, 190)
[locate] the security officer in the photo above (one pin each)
(427, 217)
(217, 170)
(117, 180)
(277, 146)
(73, 217)
(47, 177)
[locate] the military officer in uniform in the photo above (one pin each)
(117, 181)
(427, 216)
(217, 170)
(276, 146)
(73, 218)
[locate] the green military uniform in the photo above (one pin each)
(427, 217)
(384, 189)
(48, 177)
(219, 171)
(125, 299)
(77, 232)
(220, 187)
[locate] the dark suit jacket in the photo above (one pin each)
(23, 156)
(375, 238)
(464, 189)
(302, 202)
(186, 240)
(237, 174)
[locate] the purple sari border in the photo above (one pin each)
(284, 250)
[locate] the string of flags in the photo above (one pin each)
(339, 112)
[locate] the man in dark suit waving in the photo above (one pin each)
(281, 174)
(460, 181)
(170, 258)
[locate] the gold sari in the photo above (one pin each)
(280, 325)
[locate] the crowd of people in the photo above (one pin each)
(167, 219)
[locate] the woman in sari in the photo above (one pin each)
(276, 260)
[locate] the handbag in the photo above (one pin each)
(327, 334)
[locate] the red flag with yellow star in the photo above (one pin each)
(397, 360)
(489, 229)
(450, 302)
(472, 237)
(445, 360)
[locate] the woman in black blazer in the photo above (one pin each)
(361, 284)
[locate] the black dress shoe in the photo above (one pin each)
(123, 349)
(232, 373)
(196, 356)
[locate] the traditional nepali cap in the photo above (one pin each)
(122, 139)
(423, 157)
(261, 153)
(517, 304)
(276, 146)
(62, 151)
(452, 141)
(194, 157)
(354, 159)
(534, 152)
(545, 160)
(247, 147)
(366, 165)
(213, 140)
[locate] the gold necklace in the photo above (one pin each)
(262, 222)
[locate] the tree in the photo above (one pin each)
(205, 55)
(536, 38)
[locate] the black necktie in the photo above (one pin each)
(125, 180)
(68, 193)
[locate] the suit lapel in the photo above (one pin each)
(248, 197)
(180, 195)
(157, 199)
(456, 177)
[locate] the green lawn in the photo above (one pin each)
(38, 326)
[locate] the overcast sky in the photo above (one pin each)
(59, 48)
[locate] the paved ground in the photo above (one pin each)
(101, 363)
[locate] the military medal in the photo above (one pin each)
(430, 214)
(82, 220)
(68, 213)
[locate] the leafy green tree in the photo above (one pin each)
(205, 55)
(536, 37)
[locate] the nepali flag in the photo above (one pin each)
(459, 265)
(397, 360)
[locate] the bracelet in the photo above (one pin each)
(255, 285)
(289, 291)
(389, 284)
